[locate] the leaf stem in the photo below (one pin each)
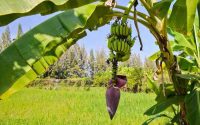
(127, 11)
(140, 14)
(148, 8)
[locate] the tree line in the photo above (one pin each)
(6, 40)
(79, 67)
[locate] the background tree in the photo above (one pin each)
(81, 57)
(5, 38)
(136, 60)
(19, 31)
(101, 60)
(1, 45)
(91, 63)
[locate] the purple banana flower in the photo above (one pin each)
(113, 95)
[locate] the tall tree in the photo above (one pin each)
(101, 60)
(1, 45)
(91, 62)
(136, 60)
(6, 39)
(149, 65)
(19, 31)
(81, 57)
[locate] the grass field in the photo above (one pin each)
(72, 106)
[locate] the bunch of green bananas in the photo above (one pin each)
(120, 29)
(120, 41)
(118, 45)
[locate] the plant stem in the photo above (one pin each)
(127, 11)
(148, 8)
(141, 21)
(140, 14)
(114, 70)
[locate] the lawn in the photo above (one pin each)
(72, 106)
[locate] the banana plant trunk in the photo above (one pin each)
(173, 69)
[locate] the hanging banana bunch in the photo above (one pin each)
(120, 42)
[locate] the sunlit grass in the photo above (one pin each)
(72, 106)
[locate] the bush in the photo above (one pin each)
(102, 78)
(136, 78)
(45, 83)
(78, 82)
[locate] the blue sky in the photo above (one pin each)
(94, 40)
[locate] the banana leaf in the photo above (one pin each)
(183, 15)
(162, 105)
(192, 103)
(34, 52)
(13, 9)
(161, 8)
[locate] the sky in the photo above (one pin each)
(96, 39)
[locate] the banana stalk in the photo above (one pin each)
(114, 71)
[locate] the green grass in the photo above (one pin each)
(72, 106)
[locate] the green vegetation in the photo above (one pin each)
(72, 106)
(34, 52)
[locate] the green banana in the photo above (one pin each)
(121, 30)
(117, 30)
(111, 55)
(122, 44)
(119, 46)
(130, 31)
(112, 29)
(119, 56)
(127, 30)
(132, 42)
(125, 58)
(115, 45)
(129, 38)
(112, 45)
(112, 38)
(109, 44)
(125, 47)
(128, 49)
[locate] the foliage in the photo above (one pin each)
(91, 64)
(19, 31)
(5, 40)
(12, 10)
(192, 102)
(102, 78)
(47, 45)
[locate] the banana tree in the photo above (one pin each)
(35, 51)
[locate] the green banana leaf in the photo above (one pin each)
(183, 15)
(152, 84)
(181, 41)
(13, 9)
(189, 76)
(161, 8)
(154, 56)
(192, 103)
(34, 52)
(162, 105)
(148, 121)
